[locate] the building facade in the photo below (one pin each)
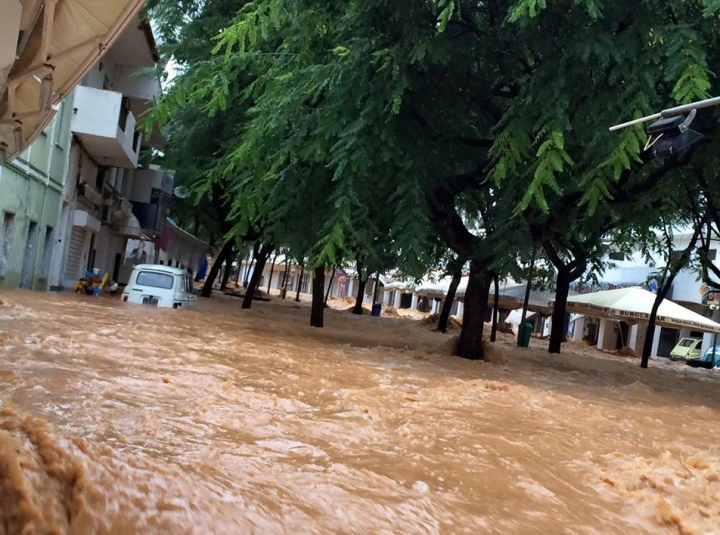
(85, 193)
(31, 187)
(112, 194)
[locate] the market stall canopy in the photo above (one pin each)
(430, 287)
(512, 296)
(635, 304)
(400, 285)
(46, 48)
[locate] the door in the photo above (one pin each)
(91, 253)
(116, 267)
(28, 265)
(75, 253)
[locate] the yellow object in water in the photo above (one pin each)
(102, 283)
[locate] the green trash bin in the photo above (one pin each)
(524, 334)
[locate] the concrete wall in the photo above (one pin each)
(98, 112)
(30, 192)
(144, 86)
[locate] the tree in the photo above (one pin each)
(496, 288)
(263, 254)
(456, 269)
(224, 253)
(318, 298)
(673, 265)
(480, 124)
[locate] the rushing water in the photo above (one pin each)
(129, 420)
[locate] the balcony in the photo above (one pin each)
(106, 127)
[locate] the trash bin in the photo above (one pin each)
(376, 309)
(524, 334)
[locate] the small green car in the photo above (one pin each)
(686, 349)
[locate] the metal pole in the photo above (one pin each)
(670, 112)
(715, 318)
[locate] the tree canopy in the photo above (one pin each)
(375, 128)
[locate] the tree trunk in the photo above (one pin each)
(528, 287)
(300, 281)
(674, 269)
(318, 293)
(285, 275)
(327, 294)
(496, 284)
(210, 280)
(449, 299)
(557, 333)
(263, 255)
(226, 273)
(272, 270)
(476, 298)
(650, 334)
(358, 309)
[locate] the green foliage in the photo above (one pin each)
(341, 128)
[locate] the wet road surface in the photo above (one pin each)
(123, 420)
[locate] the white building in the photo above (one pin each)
(687, 290)
(111, 192)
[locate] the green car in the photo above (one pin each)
(686, 349)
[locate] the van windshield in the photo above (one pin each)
(154, 279)
(686, 342)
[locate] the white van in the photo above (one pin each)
(160, 286)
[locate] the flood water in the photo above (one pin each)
(128, 420)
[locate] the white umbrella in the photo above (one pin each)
(635, 304)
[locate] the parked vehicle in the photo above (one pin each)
(160, 286)
(686, 349)
(708, 360)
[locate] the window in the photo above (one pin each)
(154, 279)
(712, 254)
(124, 112)
(617, 256)
(686, 342)
(8, 230)
(28, 265)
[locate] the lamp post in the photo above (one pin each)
(670, 132)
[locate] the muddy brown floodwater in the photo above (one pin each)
(128, 420)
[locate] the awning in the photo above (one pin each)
(635, 304)
(56, 43)
(515, 317)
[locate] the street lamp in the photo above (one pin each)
(670, 133)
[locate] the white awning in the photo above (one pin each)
(55, 43)
(635, 304)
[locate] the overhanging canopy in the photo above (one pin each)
(53, 44)
(635, 304)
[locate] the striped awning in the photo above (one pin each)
(58, 42)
